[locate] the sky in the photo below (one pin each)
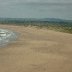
(36, 9)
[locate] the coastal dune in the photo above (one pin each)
(37, 50)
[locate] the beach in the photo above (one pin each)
(37, 50)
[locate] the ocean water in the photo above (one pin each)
(37, 10)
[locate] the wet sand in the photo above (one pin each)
(37, 50)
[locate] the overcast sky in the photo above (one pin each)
(36, 8)
(8, 2)
(36, 1)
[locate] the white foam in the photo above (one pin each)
(7, 36)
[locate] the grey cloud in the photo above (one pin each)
(52, 1)
(4, 3)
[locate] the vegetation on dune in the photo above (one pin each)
(63, 26)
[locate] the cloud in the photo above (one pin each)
(52, 1)
(10, 2)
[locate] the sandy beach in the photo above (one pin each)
(37, 50)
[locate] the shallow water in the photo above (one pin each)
(6, 37)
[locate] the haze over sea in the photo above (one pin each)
(36, 9)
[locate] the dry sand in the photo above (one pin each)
(37, 50)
